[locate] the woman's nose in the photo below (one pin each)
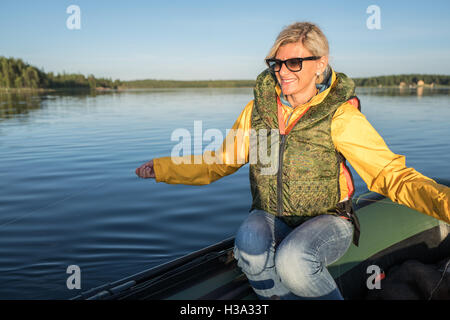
(284, 69)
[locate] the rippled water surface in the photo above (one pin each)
(69, 195)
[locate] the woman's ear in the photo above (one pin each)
(322, 64)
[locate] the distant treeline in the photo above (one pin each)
(403, 79)
(188, 84)
(14, 73)
(385, 81)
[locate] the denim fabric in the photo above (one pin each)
(285, 263)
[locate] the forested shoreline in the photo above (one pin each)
(17, 75)
(404, 80)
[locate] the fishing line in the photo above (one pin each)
(440, 280)
(99, 185)
(53, 203)
(385, 201)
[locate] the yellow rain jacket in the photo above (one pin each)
(354, 137)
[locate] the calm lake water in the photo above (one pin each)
(69, 194)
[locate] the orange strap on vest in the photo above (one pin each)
(354, 101)
(281, 125)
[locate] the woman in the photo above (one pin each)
(301, 219)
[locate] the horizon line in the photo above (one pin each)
(155, 79)
(385, 75)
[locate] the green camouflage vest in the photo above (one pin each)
(305, 182)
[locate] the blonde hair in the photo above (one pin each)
(309, 35)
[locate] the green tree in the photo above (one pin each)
(18, 83)
(6, 74)
(92, 82)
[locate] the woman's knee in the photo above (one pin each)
(254, 235)
(253, 243)
(303, 273)
(296, 262)
(301, 259)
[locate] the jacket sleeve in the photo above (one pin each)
(382, 170)
(211, 165)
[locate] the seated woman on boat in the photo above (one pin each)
(301, 219)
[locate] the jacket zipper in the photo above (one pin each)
(280, 208)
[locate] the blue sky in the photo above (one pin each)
(220, 39)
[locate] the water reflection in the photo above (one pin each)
(13, 104)
(420, 91)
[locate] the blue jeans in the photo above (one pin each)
(285, 263)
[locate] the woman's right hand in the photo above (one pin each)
(146, 170)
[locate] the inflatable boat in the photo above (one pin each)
(390, 234)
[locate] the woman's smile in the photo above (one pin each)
(286, 84)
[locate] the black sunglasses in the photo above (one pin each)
(293, 64)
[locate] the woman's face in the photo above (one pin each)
(293, 83)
